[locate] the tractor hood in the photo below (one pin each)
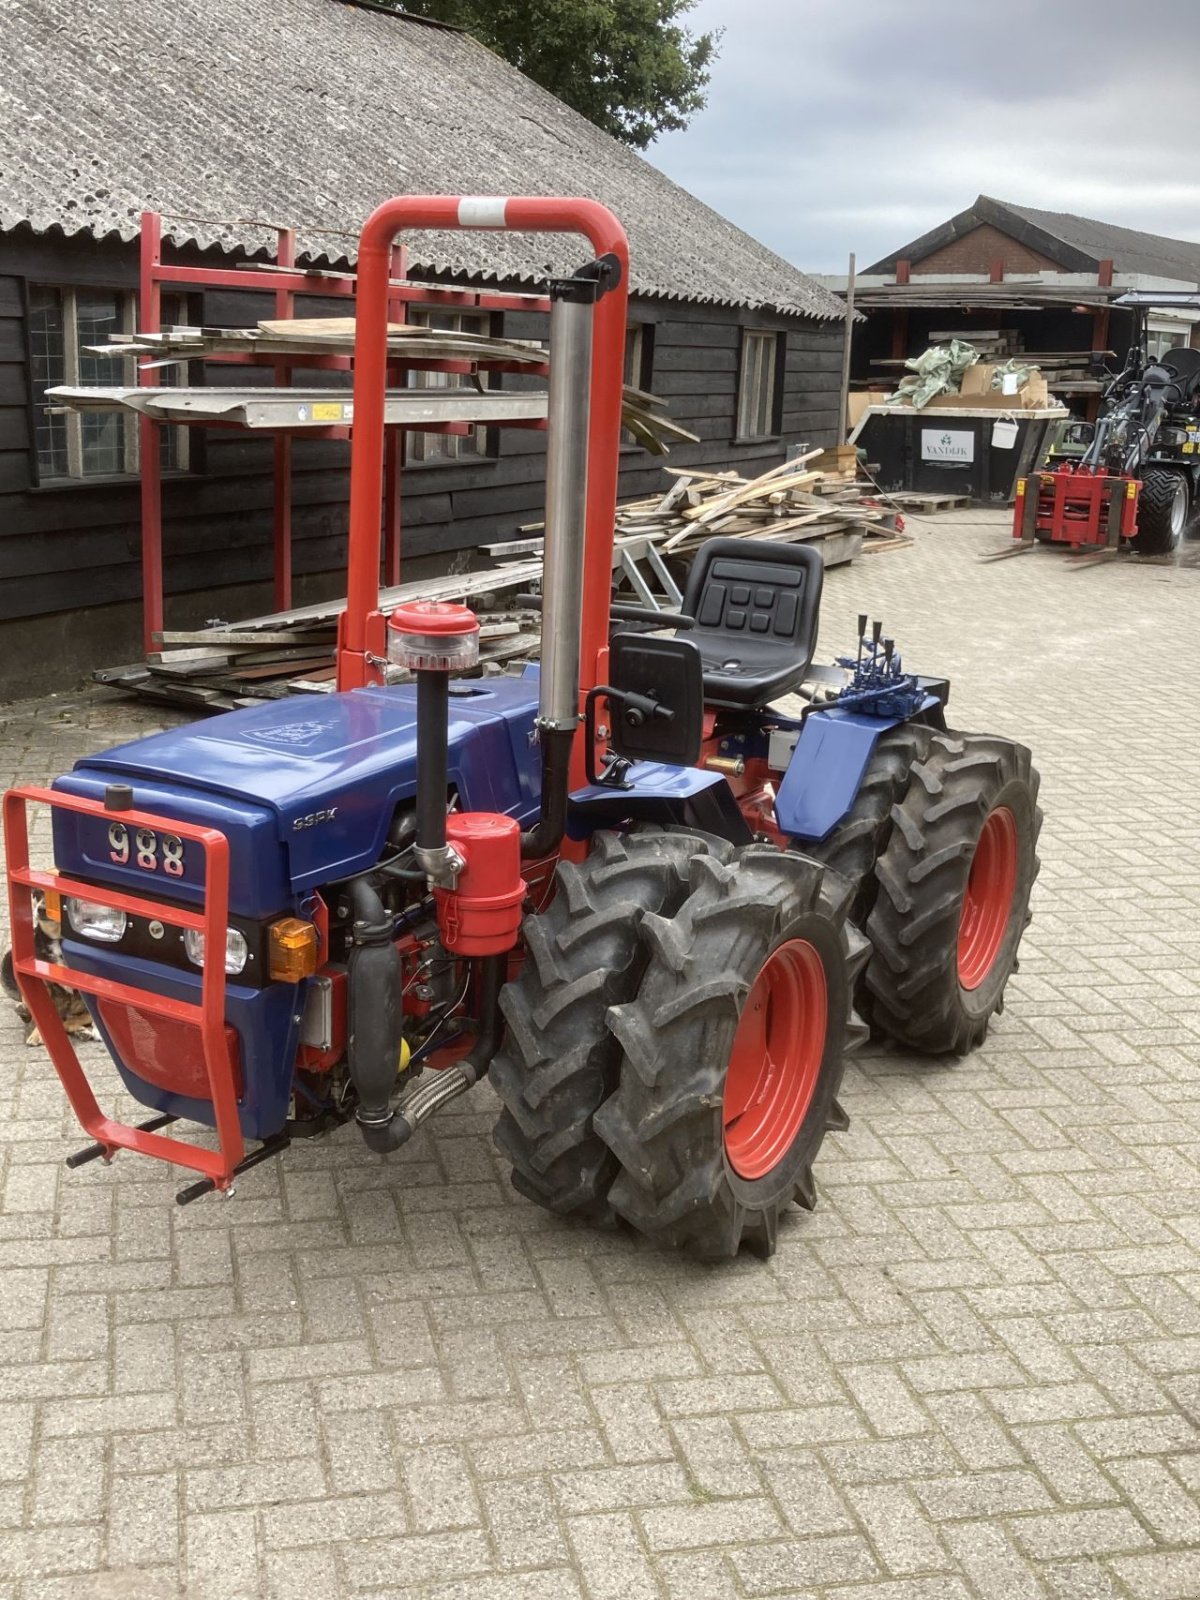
(326, 774)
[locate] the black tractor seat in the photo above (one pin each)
(1184, 363)
(757, 607)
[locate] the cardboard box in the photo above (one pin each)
(978, 379)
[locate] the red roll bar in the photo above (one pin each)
(361, 643)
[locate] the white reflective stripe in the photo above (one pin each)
(481, 211)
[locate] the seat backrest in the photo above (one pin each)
(757, 608)
(1186, 362)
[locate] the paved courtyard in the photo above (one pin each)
(974, 1371)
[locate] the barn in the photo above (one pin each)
(233, 122)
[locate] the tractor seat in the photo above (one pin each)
(757, 606)
(1186, 362)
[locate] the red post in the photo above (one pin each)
(150, 316)
(397, 312)
(284, 306)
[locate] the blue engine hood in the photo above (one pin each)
(331, 770)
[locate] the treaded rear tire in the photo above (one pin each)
(862, 836)
(912, 983)
(1159, 527)
(665, 1123)
(558, 1060)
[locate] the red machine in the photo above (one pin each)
(1076, 505)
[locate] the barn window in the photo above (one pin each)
(758, 385)
(447, 446)
(64, 325)
(639, 363)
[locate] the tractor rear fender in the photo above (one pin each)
(828, 763)
(687, 797)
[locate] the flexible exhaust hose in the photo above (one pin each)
(384, 1132)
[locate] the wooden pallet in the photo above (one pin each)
(911, 500)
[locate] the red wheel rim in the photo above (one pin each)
(987, 904)
(776, 1059)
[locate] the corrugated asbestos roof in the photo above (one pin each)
(308, 113)
(1077, 244)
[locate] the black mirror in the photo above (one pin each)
(657, 709)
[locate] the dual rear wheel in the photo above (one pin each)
(696, 1080)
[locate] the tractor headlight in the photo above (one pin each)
(90, 920)
(1172, 436)
(236, 949)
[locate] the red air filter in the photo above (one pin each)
(480, 916)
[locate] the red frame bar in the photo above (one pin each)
(361, 630)
(34, 975)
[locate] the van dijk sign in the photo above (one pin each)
(947, 444)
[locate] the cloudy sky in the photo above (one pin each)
(838, 125)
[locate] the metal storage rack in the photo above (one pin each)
(287, 282)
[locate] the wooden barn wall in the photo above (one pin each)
(66, 546)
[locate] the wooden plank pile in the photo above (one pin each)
(812, 497)
(226, 665)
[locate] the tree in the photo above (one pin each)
(627, 65)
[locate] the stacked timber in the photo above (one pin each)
(811, 497)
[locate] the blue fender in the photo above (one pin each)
(826, 770)
(672, 796)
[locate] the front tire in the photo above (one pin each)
(558, 1060)
(733, 1053)
(1162, 512)
(953, 898)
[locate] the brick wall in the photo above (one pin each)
(976, 251)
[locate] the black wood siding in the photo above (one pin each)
(63, 547)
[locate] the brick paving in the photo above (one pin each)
(974, 1371)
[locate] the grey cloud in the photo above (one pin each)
(837, 125)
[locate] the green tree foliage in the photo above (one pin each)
(627, 65)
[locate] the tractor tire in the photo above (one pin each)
(558, 1060)
(862, 835)
(1162, 512)
(733, 1053)
(953, 897)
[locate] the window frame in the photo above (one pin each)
(484, 437)
(75, 476)
(766, 407)
(638, 372)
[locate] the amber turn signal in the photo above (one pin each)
(51, 905)
(293, 950)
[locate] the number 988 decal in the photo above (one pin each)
(146, 849)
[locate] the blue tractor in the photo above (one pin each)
(653, 904)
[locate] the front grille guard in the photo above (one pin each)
(34, 976)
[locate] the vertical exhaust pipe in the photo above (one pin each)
(572, 305)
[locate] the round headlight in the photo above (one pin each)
(236, 949)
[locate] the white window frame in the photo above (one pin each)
(757, 378)
(446, 447)
(127, 314)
